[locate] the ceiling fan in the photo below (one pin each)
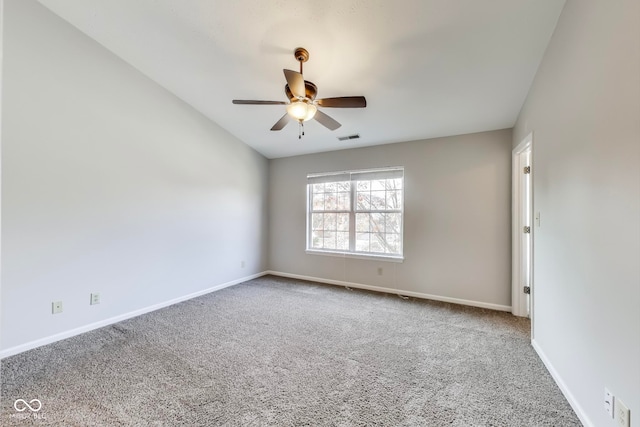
(303, 105)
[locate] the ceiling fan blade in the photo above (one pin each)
(326, 121)
(252, 102)
(344, 102)
(282, 122)
(295, 82)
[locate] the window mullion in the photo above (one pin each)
(352, 218)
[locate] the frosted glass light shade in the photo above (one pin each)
(301, 111)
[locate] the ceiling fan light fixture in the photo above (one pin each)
(302, 110)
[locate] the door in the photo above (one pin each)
(522, 229)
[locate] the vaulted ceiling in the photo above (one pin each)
(428, 68)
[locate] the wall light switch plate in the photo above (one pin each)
(623, 416)
(608, 402)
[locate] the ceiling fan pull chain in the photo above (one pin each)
(302, 123)
(299, 130)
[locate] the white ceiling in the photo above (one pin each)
(428, 68)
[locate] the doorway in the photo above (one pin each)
(522, 229)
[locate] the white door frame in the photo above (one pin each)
(521, 304)
(1, 98)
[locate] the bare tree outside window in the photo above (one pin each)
(330, 206)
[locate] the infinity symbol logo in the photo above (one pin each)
(24, 405)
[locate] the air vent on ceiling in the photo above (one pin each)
(348, 137)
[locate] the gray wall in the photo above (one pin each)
(584, 111)
(457, 217)
(110, 184)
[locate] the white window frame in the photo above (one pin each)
(352, 177)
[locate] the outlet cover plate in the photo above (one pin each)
(95, 299)
(622, 414)
(56, 307)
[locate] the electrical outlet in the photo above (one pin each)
(608, 402)
(95, 299)
(379, 271)
(622, 414)
(56, 307)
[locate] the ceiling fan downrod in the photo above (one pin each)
(302, 55)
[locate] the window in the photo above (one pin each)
(356, 212)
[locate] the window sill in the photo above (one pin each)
(388, 258)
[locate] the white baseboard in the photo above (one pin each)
(582, 416)
(86, 328)
(395, 291)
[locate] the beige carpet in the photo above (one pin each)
(280, 352)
